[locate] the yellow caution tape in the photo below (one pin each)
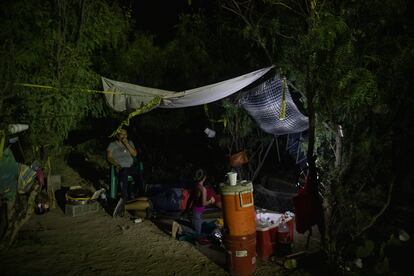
(80, 89)
(206, 110)
(151, 104)
(148, 106)
(72, 88)
(282, 114)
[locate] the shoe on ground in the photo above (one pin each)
(176, 229)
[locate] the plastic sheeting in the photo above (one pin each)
(269, 103)
(128, 96)
(264, 104)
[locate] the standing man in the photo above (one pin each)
(121, 153)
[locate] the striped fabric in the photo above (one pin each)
(25, 179)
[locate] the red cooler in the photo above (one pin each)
(266, 238)
(269, 240)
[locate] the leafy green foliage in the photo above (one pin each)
(53, 43)
(353, 60)
(239, 132)
(365, 250)
(350, 59)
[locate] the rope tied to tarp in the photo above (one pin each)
(144, 108)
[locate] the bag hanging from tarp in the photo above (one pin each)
(308, 208)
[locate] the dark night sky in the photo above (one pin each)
(159, 17)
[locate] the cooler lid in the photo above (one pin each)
(263, 228)
(240, 187)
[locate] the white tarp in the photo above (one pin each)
(126, 96)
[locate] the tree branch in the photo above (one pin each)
(289, 8)
(254, 27)
(375, 218)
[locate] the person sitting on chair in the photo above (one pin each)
(121, 153)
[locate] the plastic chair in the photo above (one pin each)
(113, 191)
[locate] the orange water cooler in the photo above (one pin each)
(239, 217)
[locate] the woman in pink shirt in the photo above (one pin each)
(200, 200)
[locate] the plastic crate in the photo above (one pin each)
(81, 209)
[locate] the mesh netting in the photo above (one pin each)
(264, 104)
(273, 200)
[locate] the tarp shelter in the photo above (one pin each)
(269, 103)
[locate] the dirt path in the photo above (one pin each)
(97, 244)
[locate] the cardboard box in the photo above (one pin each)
(81, 209)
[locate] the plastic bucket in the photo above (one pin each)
(240, 254)
(238, 209)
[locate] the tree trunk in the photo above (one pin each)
(311, 71)
(338, 147)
